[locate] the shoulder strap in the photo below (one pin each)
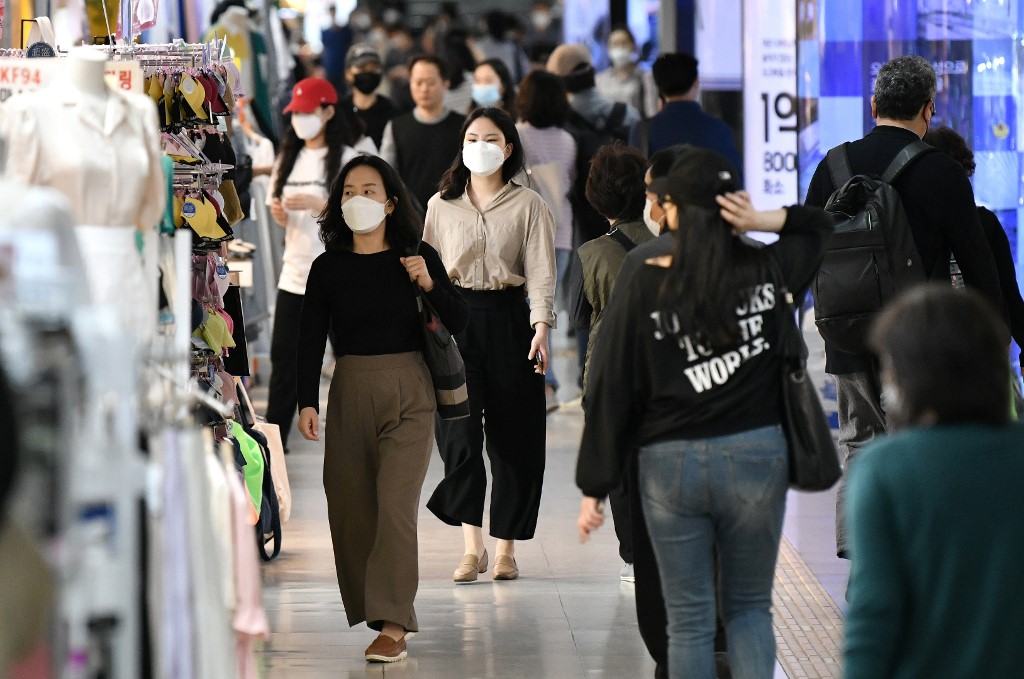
(645, 137)
(839, 165)
(903, 158)
(622, 240)
(616, 117)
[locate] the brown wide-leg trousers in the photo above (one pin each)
(379, 434)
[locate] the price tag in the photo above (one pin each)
(26, 75)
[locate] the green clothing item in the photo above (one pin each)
(937, 551)
(602, 258)
(253, 470)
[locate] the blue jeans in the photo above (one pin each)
(728, 491)
(561, 264)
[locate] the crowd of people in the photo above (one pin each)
(501, 176)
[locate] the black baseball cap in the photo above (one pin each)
(696, 178)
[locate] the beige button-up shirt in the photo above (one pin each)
(508, 244)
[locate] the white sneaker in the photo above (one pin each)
(626, 574)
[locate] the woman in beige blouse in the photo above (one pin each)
(496, 239)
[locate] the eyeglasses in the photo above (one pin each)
(933, 108)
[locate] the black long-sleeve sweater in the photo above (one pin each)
(370, 304)
(650, 382)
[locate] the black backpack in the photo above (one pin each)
(871, 256)
(589, 140)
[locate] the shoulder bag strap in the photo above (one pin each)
(622, 240)
(645, 137)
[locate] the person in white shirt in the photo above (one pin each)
(312, 153)
(624, 80)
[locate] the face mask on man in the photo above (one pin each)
(620, 56)
(307, 125)
(541, 21)
(483, 158)
(367, 82)
(652, 225)
(362, 214)
(487, 94)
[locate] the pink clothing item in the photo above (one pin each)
(250, 619)
(144, 15)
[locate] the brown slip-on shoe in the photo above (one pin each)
(470, 567)
(505, 568)
(386, 649)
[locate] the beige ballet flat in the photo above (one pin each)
(470, 568)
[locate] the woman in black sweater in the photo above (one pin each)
(687, 369)
(380, 411)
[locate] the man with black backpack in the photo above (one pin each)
(900, 209)
(594, 122)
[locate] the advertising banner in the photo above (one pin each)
(770, 103)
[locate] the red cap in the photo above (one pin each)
(310, 94)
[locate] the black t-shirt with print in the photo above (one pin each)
(652, 382)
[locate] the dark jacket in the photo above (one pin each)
(600, 261)
(683, 122)
(939, 204)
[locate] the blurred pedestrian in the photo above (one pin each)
(624, 80)
(550, 156)
(493, 86)
(933, 509)
(422, 143)
(364, 73)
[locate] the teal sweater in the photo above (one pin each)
(936, 520)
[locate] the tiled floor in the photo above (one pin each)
(567, 616)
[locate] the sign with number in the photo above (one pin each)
(26, 75)
(769, 103)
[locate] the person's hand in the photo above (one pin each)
(738, 211)
(540, 346)
(309, 424)
(591, 517)
(304, 201)
(277, 211)
(416, 267)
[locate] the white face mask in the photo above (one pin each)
(541, 20)
(363, 214)
(620, 56)
(483, 158)
(307, 125)
(652, 225)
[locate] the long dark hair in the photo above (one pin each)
(508, 99)
(403, 228)
(339, 135)
(454, 181)
(710, 270)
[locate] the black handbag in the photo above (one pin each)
(813, 460)
(447, 369)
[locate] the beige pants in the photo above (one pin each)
(379, 435)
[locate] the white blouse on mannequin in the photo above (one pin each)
(101, 150)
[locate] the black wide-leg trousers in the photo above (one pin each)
(507, 409)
